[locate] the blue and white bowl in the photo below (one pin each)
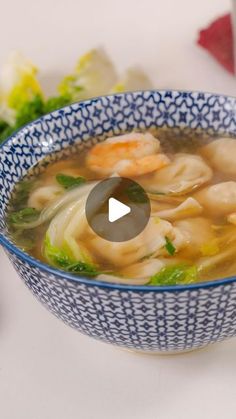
(153, 319)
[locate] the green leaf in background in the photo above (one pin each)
(7, 131)
(175, 275)
(69, 181)
(19, 82)
(69, 86)
(3, 126)
(169, 246)
(24, 215)
(94, 75)
(29, 111)
(26, 113)
(56, 102)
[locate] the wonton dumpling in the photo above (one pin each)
(115, 279)
(197, 232)
(219, 198)
(44, 195)
(152, 239)
(232, 218)
(70, 223)
(221, 154)
(144, 269)
(186, 172)
(189, 208)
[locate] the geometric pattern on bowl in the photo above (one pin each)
(137, 317)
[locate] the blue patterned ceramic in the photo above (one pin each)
(138, 317)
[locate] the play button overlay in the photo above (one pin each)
(117, 209)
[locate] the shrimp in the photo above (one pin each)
(133, 154)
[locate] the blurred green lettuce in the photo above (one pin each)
(22, 99)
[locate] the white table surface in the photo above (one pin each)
(48, 370)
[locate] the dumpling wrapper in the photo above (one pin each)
(150, 242)
(144, 269)
(185, 173)
(137, 274)
(221, 155)
(70, 223)
(232, 218)
(44, 195)
(190, 207)
(58, 204)
(219, 198)
(197, 232)
(115, 279)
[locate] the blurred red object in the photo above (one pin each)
(217, 39)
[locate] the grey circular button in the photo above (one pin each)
(117, 209)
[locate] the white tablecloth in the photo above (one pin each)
(47, 370)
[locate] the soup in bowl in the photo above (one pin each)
(159, 277)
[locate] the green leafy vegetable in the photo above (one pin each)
(22, 100)
(94, 75)
(61, 259)
(3, 126)
(19, 81)
(6, 133)
(175, 275)
(56, 102)
(136, 194)
(169, 246)
(83, 268)
(69, 181)
(26, 239)
(21, 194)
(26, 113)
(55, 255)
(24, 215)
(69, 86)
(29, 111)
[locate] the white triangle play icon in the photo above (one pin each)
(116, 210)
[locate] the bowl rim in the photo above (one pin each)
(7, 244)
